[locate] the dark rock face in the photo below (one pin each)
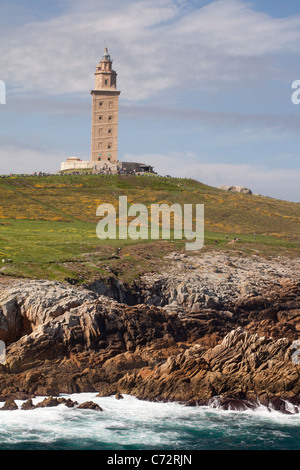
(119, 396)
(48, 402)
(243, 364)
(87, 348)
(218, 337)
(9, 405)
(28, 405)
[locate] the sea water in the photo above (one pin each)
(132, 424)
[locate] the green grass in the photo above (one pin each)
(48, 224)
(54, 250)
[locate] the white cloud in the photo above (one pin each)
(156, 45)
(254, 126)
(21, 159)
(234, 28)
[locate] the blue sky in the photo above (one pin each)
(205, 86)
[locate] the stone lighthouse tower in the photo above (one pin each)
(105, 109)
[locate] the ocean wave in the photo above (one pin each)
(135, 424)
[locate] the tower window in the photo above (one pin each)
(109, 131)
(109, 146)
(100, 103)
(100, 118)
(106, 82)
(109, 118)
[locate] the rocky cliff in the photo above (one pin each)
(211, 328)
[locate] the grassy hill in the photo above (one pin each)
(48, 224)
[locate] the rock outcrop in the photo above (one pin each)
(214, 328)
(92, 343)
(243, 365)
(9, 405)
(24, 305)
(214, 280)
(235, 189)
(90, 405)
(50, 402)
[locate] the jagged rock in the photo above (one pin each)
(93, 326)
(107, 389)
(51, 401)
(235, 189)
(233, 403)
(48, 402)
(246, 361)
(9, 405)
(28, 405)
(119, 396)
(68, 402)
(181, 290)
(229, 325)
(32, 303)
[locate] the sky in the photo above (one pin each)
(206, 87)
